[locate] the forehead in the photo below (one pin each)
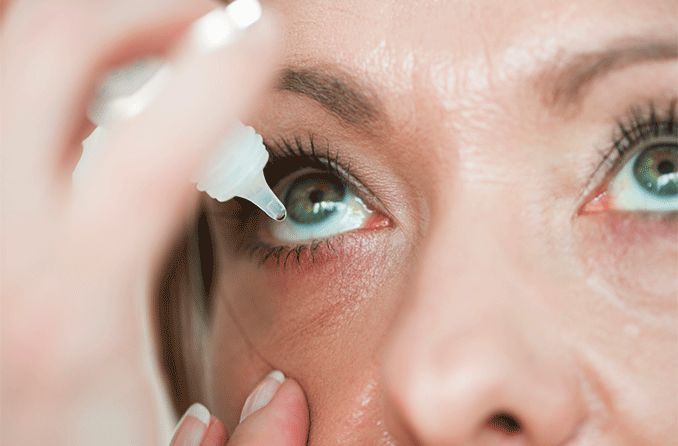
(382, 35)
(440, 63)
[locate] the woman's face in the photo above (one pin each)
(479, 244)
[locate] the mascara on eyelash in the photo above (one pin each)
(284, 150)
(283, 256)
(628, 131)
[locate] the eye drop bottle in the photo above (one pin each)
(236, 169)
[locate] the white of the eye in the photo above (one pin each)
(628, 195)
(350, 214)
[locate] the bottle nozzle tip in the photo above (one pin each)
(275, 209)
(265, 199)
(282, 216)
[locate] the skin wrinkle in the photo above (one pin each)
(341, 309)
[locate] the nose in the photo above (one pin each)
(477, 357)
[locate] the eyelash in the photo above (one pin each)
(632, 130)
(285, 157)
(282, 254)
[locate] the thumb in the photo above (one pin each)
(276, 412)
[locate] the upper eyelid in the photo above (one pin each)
(282, 148)
(639, 125)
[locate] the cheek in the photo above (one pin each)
(321, 321)
(306, 298)
(636, 256)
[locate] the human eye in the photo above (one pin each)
(324, 201)
(643, 163)
(319, 205)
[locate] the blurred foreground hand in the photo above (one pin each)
(71, 335)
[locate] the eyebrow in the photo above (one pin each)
(338, 92)
(561, 85)
(564, 83)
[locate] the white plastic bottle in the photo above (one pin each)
(237, 167)
(237, 171)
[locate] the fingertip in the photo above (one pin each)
(192, 426)
(216, 434)
(291, 401)
(289, 415)
(284, 421)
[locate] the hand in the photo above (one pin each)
(73, 352)
(275, 413)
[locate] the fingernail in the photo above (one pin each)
(223, 25)
(192, 426)
(262, 394)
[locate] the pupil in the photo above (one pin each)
(316, 196)
(665, 167)
(655, 170)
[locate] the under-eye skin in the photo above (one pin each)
(324, 202)
(641, 168)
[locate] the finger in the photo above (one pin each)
(141, 181)
(215, 435)
(54, 52)
(192, 427)
(283, 420)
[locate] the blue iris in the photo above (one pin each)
(314, 198)
(656, 169)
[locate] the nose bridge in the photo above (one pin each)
(473, 344)
(469, 254)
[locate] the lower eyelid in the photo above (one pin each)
(299, 255)
(375, 221)
(315, 252)
(629, 227)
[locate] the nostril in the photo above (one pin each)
(505, 423)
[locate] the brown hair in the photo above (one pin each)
(179, 312)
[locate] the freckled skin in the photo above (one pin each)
(487, 294)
